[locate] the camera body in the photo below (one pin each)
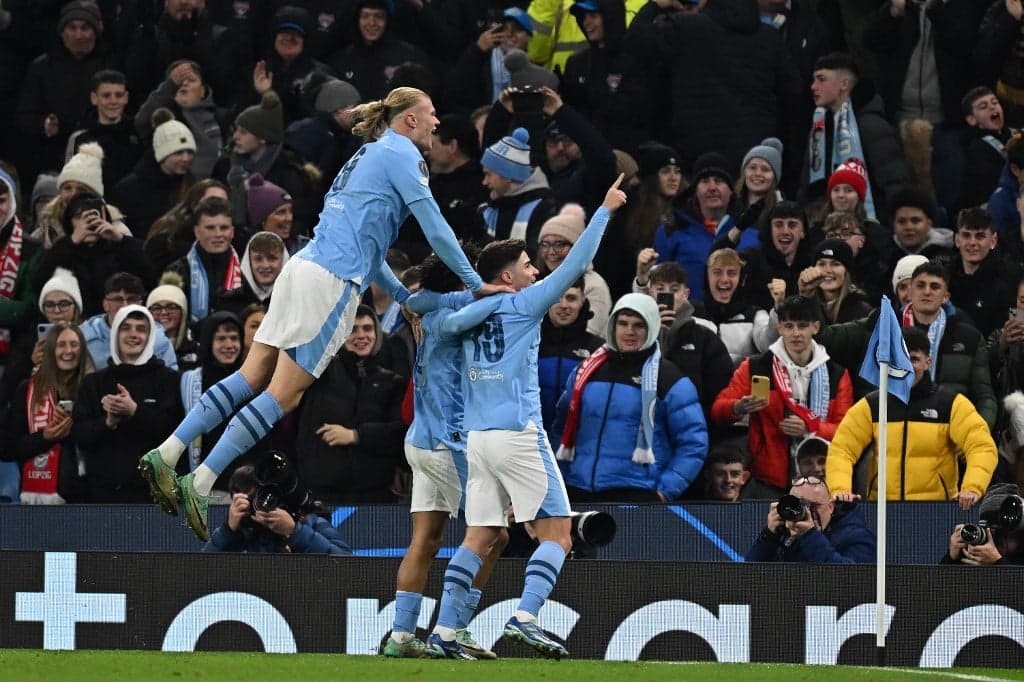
(279, 486)
(791, 508)
(527, 99)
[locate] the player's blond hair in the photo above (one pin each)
(374, 117)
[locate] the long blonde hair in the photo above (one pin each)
(374, 117)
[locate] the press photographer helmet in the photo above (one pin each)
(592, 529)
(278, 486)
(791, 508)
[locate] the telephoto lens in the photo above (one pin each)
(791, 508)
(973, 534)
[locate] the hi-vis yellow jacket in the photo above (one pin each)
(923, 440)
(557, 36)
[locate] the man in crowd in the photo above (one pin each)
(119, 290)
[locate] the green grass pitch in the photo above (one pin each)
(109, 666)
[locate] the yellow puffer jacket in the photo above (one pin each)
(923, 441)
(556, 34)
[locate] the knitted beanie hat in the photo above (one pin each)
(336, 94)
(64, 281)
(85, 167)
(905, 268)
(509, 157)
(44, 189)
(525, 73)
(625, 164)
(836, 249)
(80, 9)
(853, 173)
(770, 149)
(170, 136)
(712, 165)
(264, 198)
(264, 120)
(653, 156)
(568, 224)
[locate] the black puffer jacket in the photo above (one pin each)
(147, 193)
(729, 75)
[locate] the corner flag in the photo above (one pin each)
(887, 346)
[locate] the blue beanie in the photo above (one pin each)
(509, 157)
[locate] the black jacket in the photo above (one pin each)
(370, 67)
(146, 193)
(359, 395)
(700, 355)
(982, 166)
(120, 142)
(729, 74)
(112, 455)
(988, 294)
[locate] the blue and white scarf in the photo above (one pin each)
(500, 76)
(846, 145)
(199, 284)
(191, 392)
(935, 331)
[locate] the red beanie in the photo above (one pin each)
(850, 172)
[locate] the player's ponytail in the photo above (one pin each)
(374, 117)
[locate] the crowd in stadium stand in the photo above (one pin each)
(788, 162)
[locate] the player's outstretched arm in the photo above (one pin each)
(441, 238)
(537, 299)
(386, 280)
(470, 316)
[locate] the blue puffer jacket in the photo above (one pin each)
(562, 349)
(689, 243)
(609, 422)
(313, 535)
(847, 540)
(1003, 203)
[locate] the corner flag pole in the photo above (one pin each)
(883, 422)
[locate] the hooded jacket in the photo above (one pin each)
(561, 351)
(369, 67)
(250, 291)
(770, 447)
(112, 454)
(357, 394)
(1003, 203)
(923, 441)
(610, 419)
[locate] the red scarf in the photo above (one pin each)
(39, 474)
(785, 389)
(586, 370)
(233, 276)
(10, 259)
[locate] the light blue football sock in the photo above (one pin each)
(216, 404)
(541, 573)
(469, 607)
(407, 611)
(458, 581)
(249, 425)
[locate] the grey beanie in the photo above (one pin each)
(337, 94)
(770, 149)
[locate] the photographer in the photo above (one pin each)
(988, 543)
(274, 531)
(805, 526)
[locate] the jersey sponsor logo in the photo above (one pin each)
(478, 374)
(424, 173)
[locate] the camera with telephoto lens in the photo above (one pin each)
(791, 508)
(278, 487)
(527, 99)
(973, 534)
(1008, 515)
(592, 529)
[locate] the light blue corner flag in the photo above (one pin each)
(887, 345)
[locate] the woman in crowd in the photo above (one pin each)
(172, 234)
(251, 317)
(661, 182)
(757, 189)
(40, 423)
(829, 281)
(169, 308)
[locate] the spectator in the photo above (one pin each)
(996, 59)
(456, 180)
(829, 282)
(987, 136)
(556, 237)
(808, 394)
(558, 36)
(849, 122)
(325, 137)
(18, 256)
(757, 191)
(121, 289)
(707, 42)
(742, 326)
(811, 456)
(172, 234)
(725, 475)
(519, 195)
(1002, 204)
(219, 354)
(823, 535)
(924, 69)
(169, 308)
(262, 261)
(82, 173)
(565, 341)
(43, 193)
(606, 81)
(159, 180)
(661, 182)
(211, 269)
(289, 70)
(630, 423)
(480, 74)
(40, 426)
(924, 437)
(848, 190)
(868, 269)
(690, 343)
(688, 240)
(55, 93)
(1002, 546)
(106, 124)
(350, 426)
(276, 531)
(369, 62)
(60, 300)
(913, 226)
(902, 279)
(257, 148)
(270, 210)
(94, 247)
(774, 267)
(186, 95)
(981, 281)
(121, 410)
(251, 316)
